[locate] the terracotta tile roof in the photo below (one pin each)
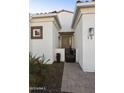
(82, 1)
(65, 11)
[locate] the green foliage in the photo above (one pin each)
(39, 59)
(37, 70)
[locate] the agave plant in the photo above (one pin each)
(37, 64)
(33, 59)
(37, 68)
(39, 59)
(42, 60)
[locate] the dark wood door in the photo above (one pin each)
(70, 55)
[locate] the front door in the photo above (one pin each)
(66, 41)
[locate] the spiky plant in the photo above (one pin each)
(37, 68)
(38, 59)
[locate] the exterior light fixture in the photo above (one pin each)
(59, 37)
(91, 32)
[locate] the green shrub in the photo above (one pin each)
(38, 70)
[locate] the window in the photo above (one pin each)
(37, 32)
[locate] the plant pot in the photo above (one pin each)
(58, 56)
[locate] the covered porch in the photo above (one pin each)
(66, 47)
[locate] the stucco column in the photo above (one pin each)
(73, 41)
(60, 40)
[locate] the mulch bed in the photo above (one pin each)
(55, 75)
(53, 79)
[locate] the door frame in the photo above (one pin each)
(69, 34)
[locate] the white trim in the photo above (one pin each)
(54, 22)
(43, 15)
(78, 19)
(86, 4)
(47, 16)
(40, 21)
(81, 5)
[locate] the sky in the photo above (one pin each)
(38, 6)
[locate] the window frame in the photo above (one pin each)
(33, 32)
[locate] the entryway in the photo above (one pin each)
(66, 40)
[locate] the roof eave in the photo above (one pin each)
(81, 5)
(48, 15)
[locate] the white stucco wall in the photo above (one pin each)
(85, 48)
(78, 42)
(65, 21)
(62, 53)
(43, 46)
(88, 44)
(55, 40)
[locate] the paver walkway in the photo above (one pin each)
(76, 81)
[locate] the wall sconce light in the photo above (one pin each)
(59, 37)
(91, 33)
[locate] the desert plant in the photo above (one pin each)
(42, 60)
(37, 69)
(36, 63)
(37, 59)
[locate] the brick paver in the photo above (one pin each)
(76, 81)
